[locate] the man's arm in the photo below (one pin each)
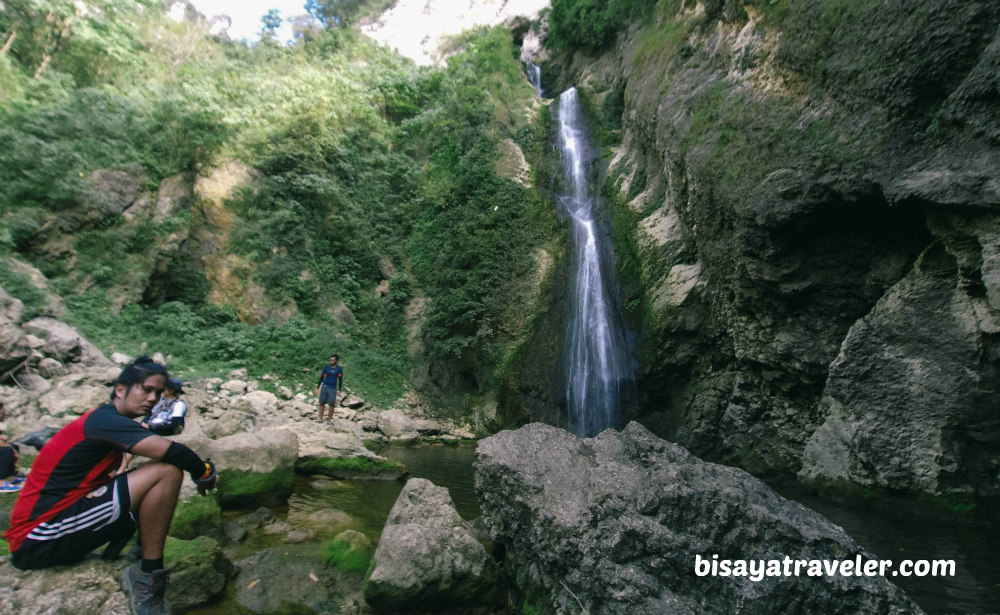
(162, 449)
(154, 447)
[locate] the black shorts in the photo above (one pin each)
(99, 517)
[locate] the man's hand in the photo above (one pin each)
(209, 479)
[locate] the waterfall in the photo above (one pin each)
(600, 375)
(535, 77)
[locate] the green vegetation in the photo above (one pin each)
(195, 517)
(242, 486)
(345, 557)
(353, 467)
(196, 549)
(376, 184)
(593, 25)
(20, 286)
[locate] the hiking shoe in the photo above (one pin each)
(146, 590)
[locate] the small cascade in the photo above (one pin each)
(600, 372)
(534, 77)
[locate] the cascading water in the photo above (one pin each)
(600, 374)
(535, 77)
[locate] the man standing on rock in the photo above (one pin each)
(73, 501)
(329, 383)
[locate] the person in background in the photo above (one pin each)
(330, 381)
(74, 500)
(10, 454)
(166, 418)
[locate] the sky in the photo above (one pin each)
(412, 27)
(246, 15)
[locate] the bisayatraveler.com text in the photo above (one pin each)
(758, 570)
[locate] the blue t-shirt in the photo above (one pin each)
(331, 376)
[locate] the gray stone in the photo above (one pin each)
(14, 347)
(199, 571)
(613, 524)
(289, 579)
(88, 588)
(228, 423)
(428, 559)
(255, 467)
(65, 343)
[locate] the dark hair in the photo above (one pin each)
(335, 356)
(141, 368)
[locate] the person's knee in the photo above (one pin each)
(171, 473)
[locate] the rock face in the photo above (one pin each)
(428, 560)
(88, 588)
(815, 203)
(199, 571)
(612, 524)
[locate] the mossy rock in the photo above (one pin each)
(198, 516)
(199, 571)
(242, 488)
(353, 468)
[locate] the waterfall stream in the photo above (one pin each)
(600, 375)
(535, 77)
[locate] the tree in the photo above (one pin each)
(334, 13)
(38, 32)
(271, 21)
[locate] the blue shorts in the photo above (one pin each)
(328, 395)
(99, 517)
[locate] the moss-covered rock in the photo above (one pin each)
(199, 571)
(195, 517)
(239, 488)
(375, 468)
(256, 468)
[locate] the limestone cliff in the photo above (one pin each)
(812, 193)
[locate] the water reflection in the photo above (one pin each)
(898, 529)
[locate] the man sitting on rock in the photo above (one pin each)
(73, 501)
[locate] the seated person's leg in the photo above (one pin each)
(154, 490)
(8, 462)
(95, 519)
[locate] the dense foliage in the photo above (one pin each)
(593, 25)
(376, 183)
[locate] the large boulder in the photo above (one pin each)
(903, 408)
(428, 559)
(614, 524)
(256, 468)
(14, 347)
(64, 343)
(74, 395)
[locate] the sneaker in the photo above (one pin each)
(10, 487)
(146, 590)
(18, 480)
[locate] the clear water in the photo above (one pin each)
(367, 502)
(600, 373)
(898, 529)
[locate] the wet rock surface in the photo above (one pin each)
(428, 559)
(612, 524)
